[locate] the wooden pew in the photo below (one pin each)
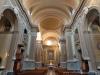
(61, 71)
(71, 73)
(38, 71)
(32, 73)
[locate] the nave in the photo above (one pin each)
(49, 37)
(51, 72)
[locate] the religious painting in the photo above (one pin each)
(50, 55)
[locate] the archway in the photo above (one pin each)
(92, 36)
(8, 26)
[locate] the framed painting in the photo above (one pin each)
(50, 55)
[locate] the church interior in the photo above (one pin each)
(49, 37)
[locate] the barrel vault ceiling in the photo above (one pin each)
(50, 15)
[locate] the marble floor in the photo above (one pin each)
(51, 72)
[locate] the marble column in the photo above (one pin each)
(32, 46)
(68, 35)
(63, 56)
(38, 51)
(11, 52)
(28, 45)
(38, 57)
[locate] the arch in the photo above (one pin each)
(8, 41)
(90, 31)
(10, 15)
(8, 21)
(92, 21)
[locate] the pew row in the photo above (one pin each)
(37, 71)
(61, 71)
